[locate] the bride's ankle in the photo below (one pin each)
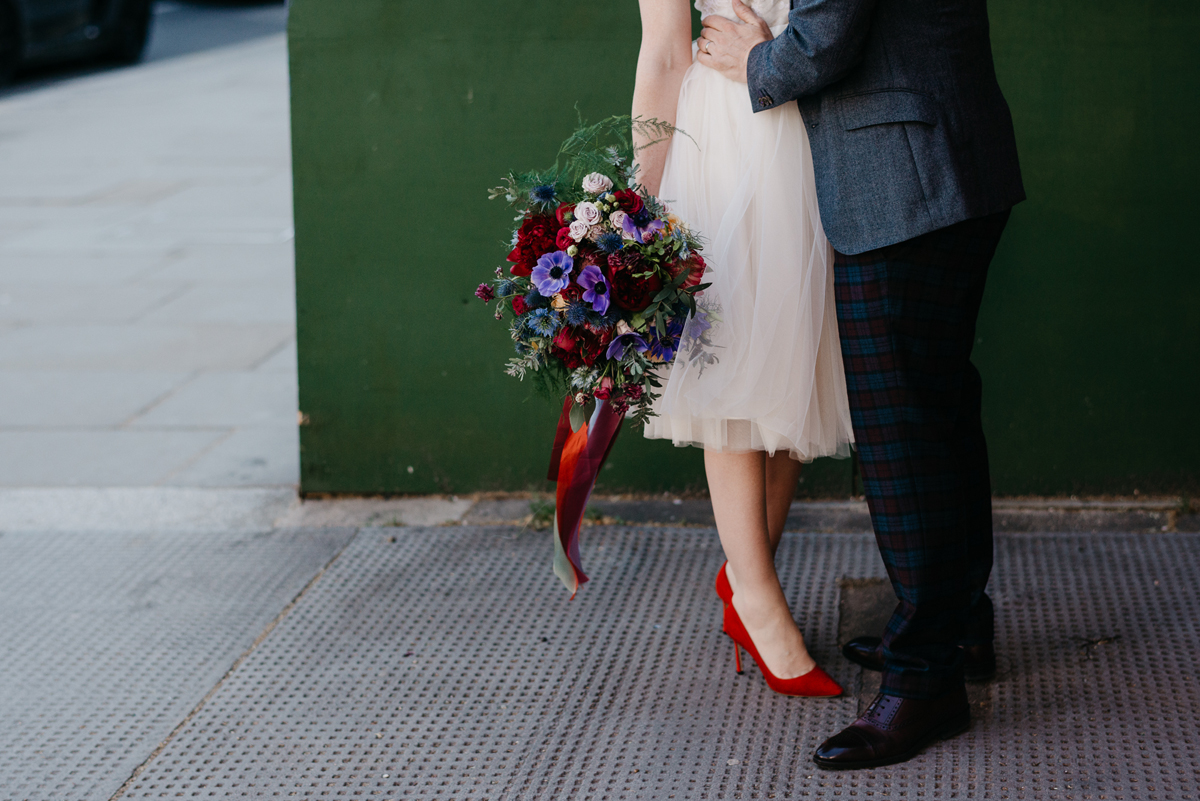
(760, 609)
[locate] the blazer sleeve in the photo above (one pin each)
(823, 40)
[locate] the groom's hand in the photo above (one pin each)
(725, 44)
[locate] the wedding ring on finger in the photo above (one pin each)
(707, 47)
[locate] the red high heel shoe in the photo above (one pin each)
(724, 591)
(816, 683)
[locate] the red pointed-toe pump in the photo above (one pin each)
(816, 683)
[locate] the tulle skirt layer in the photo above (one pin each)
(761, 369)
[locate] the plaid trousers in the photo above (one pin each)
(906, 315)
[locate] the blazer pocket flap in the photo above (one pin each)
(880, 108)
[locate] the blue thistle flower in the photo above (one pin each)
(521, 348)
(543, 322)
(577, 314)
(543, 195)
(612, 316)
(610, 242)
(536, 300)
(506, 288)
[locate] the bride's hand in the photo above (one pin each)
(725, 44)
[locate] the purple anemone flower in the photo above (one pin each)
(639, 233)
(595, 288)
(552, 273)
(621, 344)
(663, 348)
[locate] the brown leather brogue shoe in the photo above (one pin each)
(895, 730)
(979, 661)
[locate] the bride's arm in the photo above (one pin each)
(665, 55)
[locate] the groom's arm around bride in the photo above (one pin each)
(916, 170)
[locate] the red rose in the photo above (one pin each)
(564, 340)
(593, 346)
(632, 294)
(573, 292)
(519, 305)
(629, 201)
(563, 240)
(535, 238)
(580, 346)
(561, 213)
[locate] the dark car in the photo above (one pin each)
(37, 32)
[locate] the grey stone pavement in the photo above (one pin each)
(146, 304)
(178, 624)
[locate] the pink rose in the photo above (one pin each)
(587, 212)
(595, 183)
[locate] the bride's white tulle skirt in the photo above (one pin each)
(767, 375)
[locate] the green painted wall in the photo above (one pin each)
(403, 114)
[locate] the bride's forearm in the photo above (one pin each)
(664, 57)
(655, 96)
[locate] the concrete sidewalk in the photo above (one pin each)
(408, 662)
(146, 290)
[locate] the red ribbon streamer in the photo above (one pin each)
(575, 464)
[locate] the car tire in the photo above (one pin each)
(10, 41)
(132, 31)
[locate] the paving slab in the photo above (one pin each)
(112, 640)
(221, 398)
(226, 265)
(418, 511)
(448, 663)
(154, 510)
(146, 229)
(260, 455)
(142, 347)
(81, 268)
(50, 303)
(99, 458)
(72, 398)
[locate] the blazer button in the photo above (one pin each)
(765, 100)
(814, 125)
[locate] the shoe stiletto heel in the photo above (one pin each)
(816, 683)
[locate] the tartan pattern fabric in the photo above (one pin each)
(906, 315)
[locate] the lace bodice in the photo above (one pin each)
(775, 12)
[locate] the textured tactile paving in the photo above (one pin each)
(111, 639)
(447, 663)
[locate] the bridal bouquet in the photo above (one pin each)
(601, 283)
(603, 277)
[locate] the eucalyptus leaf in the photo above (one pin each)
(578, 417)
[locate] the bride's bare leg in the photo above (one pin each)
(737, 484)
(782, 474)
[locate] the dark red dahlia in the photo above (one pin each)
(630, 293)
(535, 238)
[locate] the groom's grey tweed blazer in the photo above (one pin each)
(908, 127)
